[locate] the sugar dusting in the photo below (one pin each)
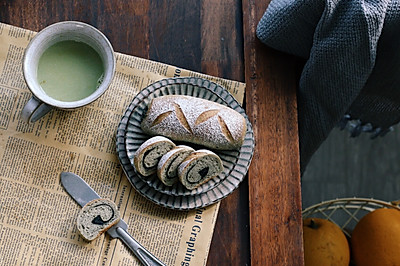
(208, 133)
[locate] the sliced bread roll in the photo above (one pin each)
(147, 156)
(199, 167)
(96, 217)
(195, 120)
(167, 169)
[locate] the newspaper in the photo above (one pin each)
(38, 218)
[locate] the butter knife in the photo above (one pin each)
(82, 193)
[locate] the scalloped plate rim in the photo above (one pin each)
(198, 200)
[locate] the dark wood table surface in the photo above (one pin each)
(260, 223)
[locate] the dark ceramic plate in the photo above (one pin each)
(130, 137)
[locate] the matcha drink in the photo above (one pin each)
(70, 71)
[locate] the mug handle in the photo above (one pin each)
(34, 109)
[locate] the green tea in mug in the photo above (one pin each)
(70, 71)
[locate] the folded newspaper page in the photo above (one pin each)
(37, 216)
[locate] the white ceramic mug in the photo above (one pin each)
(41, 103)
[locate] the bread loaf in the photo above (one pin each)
(96, 217)
(199, 167)
(168, 164)
(195, 120)
(147, 156)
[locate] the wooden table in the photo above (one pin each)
(260, 223)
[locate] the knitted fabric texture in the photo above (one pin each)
(352, 69)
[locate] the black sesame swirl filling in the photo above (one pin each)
(152, 156)
(200, 171)
(172, 174)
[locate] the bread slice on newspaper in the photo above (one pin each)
(96, 217)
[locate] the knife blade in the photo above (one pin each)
(82, 193)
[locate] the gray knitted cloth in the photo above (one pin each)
(352, 69)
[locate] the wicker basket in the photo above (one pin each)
(346, 212)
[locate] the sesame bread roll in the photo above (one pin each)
(195, 120)
(199, 167)
(167, 170)
(147, 156)
(96, 217)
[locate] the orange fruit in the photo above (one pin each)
(376, 238)
(324, 243)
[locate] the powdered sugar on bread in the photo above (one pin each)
(191, 119)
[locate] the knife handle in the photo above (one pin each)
(143, 255)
